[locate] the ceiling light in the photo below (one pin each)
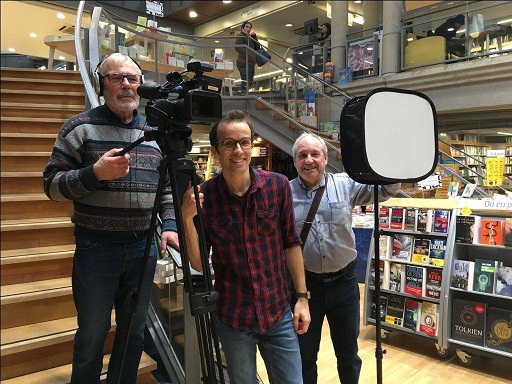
(504, 133)
(450, 29)
(288, 25)
(217, 41)
(357, 2)
(11, 50)
(61, 57)
(226, 1)
(33, 35)
(504, 21)
(289, 60)
(192, 14)
(60, 16)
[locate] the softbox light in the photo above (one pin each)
(389, 136)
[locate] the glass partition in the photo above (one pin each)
(454, 31)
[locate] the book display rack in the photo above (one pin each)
(445, 275)
(478, 290)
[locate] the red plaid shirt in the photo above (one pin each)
(248, 237)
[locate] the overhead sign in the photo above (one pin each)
(155, 8)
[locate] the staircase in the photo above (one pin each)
(38, 317)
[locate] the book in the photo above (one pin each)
(383, 217)
(415, 279)
(503, 284)
(397, 218)
(498, 329)
(437, 251)
(402, 247)
(424, 220)
(491, 232)
(433, 283)
(396, 277)
(412, 310)
(468, 190)
(467, 229)
(421, 251)
(395, 310)
(468, 321)
(462, 274)
(410, 219)
(453, 189)
(382, 275)
(441, 220)
(508, 232)
(429, 318)
(484, 276)
(385, 246)
(383, 307)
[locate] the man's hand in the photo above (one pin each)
(110, 166)
(188, 208)
(301, 316)
(169, 238)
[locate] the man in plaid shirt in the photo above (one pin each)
(250, 226)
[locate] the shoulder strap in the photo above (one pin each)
(312, 212)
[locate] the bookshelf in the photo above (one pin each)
(472, 155)
(478, 296)
(412, 268)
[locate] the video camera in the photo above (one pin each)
(191, 104)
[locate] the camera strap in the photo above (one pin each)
(312, 212)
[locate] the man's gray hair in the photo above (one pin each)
(117, 58)
(306, 134)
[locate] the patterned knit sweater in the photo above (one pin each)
(114, 211)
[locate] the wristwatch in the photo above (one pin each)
(303, 295)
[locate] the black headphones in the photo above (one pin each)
(97, 79)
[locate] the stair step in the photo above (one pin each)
(35, 205)
(32, 268)
(36, 97)
(16, 83)
(34, 302)
(52, 232)
(50, 252)
(28, 142)
(31, 125)
(32, 224)
(40, 110)
(47, 333)
(61, 374)
(24, 161)
(21, 182)
(16, 293)
(49, 74)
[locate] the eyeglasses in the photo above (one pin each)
(230, 144)
(117, 78)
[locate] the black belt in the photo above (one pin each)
(331, 276)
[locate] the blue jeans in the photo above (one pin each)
(278, 347)
(103, 274)
(339, 301)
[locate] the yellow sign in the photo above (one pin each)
(495, 167)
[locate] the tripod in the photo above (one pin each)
(174, 142)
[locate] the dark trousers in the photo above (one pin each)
(339, 301)
(247, 75)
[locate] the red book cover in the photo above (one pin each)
(397, 218)
(491, 232)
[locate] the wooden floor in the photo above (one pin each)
(408, 360)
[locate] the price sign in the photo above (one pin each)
(155, 8)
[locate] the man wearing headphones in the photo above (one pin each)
(113, 198)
